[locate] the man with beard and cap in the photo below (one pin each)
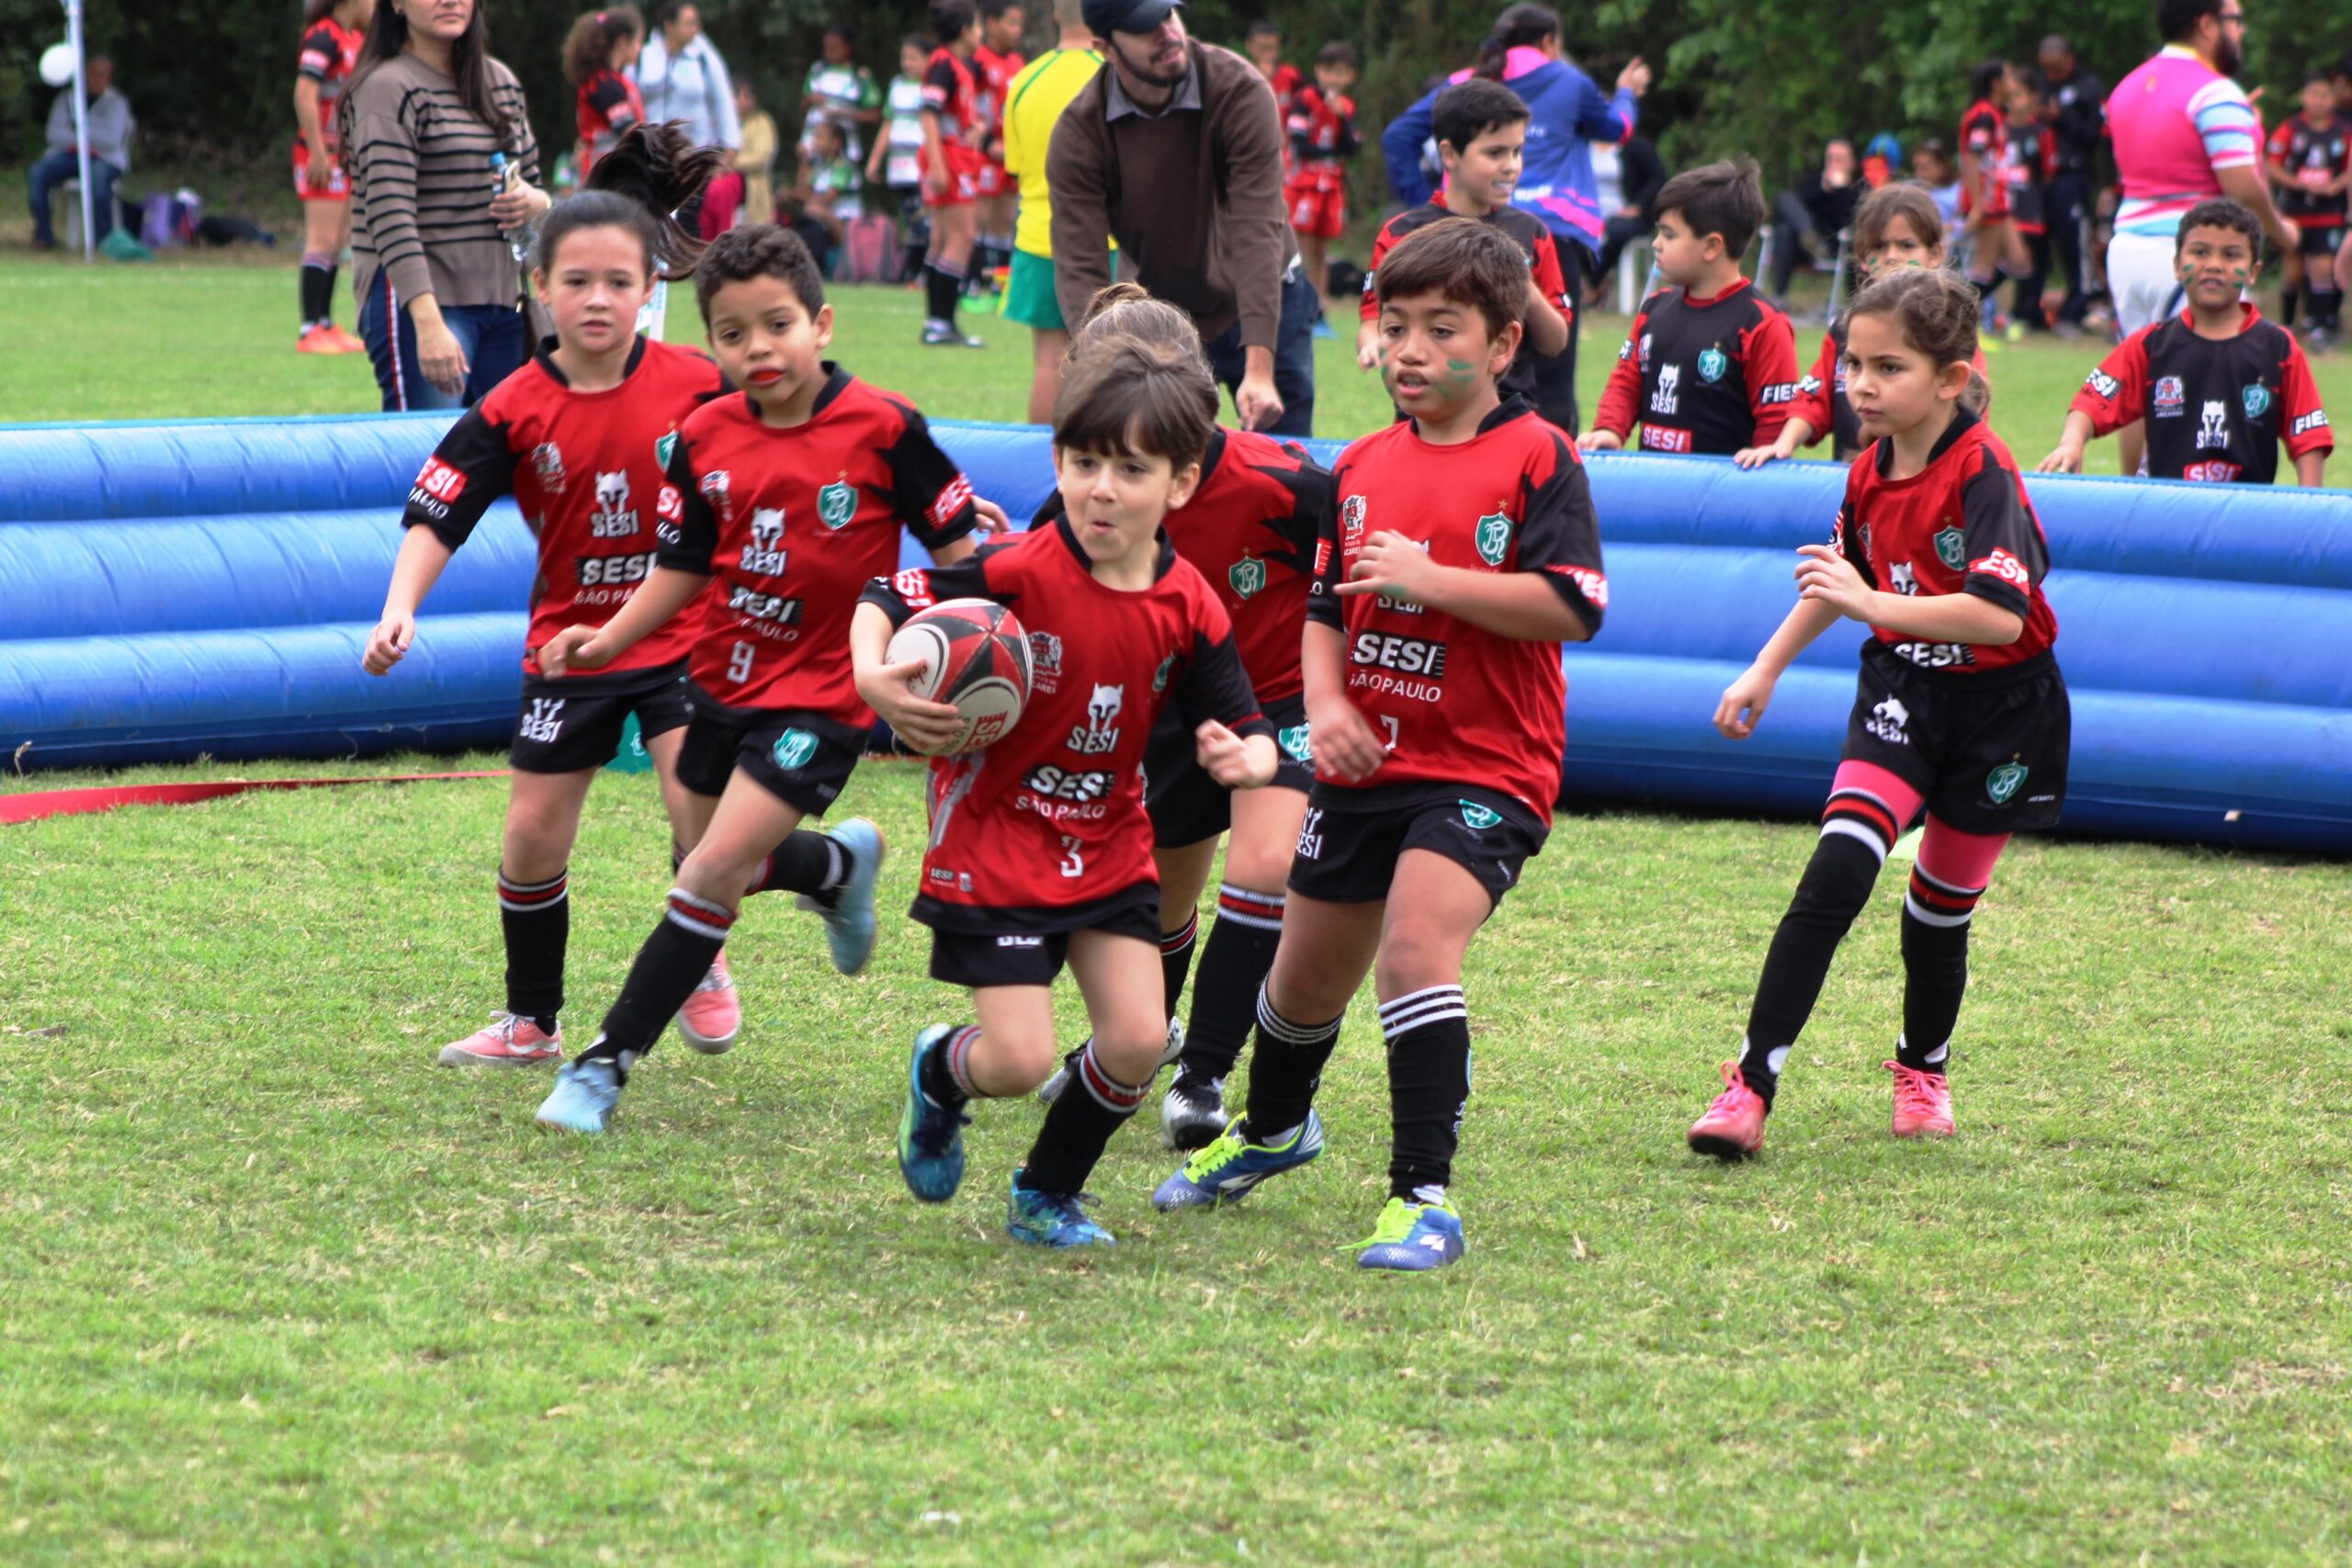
(1176, 153)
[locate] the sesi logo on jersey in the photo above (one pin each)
(765, 554)
(441, 481)
(1100, 733)
(2105, 385)
(771, 607)
(952, 499)
(2006, 567)
(1590, 583)
(1407, 655)
(606, 571)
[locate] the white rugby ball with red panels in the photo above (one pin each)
(975, 655)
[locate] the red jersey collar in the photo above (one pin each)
(1513, 406)
(2247, 316)
(1702, 302)
(1962, 422)
(1160, 567)
(837, 381)
(545, 359)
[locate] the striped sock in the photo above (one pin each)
(672, 962)
(535, 917)
(1176, 961)
(1429, 1084)
(1856, 831)
(946, 1075)
(1285, 1069)
(1078, 1125)
(1234, 966)
(1936, 917)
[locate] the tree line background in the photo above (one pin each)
(212, 80)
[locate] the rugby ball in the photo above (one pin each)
(975, 655)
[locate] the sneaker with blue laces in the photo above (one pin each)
(1413, 1238)
(1228, 1167)
(849, 922)
(584, 1094)
(1052, 1219)
(931, 1135)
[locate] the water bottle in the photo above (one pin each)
(519, 241)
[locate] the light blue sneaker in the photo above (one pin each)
(849, 924)
(931, 1136)
(1227, 1169)
(1414, 1238)
(1323, 327)
(584, 1094)
(1052, 1219)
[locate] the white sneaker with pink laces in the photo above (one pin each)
(712, 1016)
(506, 1041)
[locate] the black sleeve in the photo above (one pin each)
(902, 594)
(2005, 551)
(1323, 604)
(688, 543)
(939, 87)
(1048, 510)
(931, 493)
(1348, 141)
(2080, 120)
(1846, 538)
(608, 97)
(1644, 173)
(474, 466)
(1560, 537)
(318, 52)
(1214, 685)
(1306, 492)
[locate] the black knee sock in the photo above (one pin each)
(537, 918)
(326, 305)
(1936, 916)
(1285, 1068)
(668, 968)
(1176, 961)
(1234, 964)
(1836, 885)
(1078, 1125)
(2287, 292)
(2326, 305)
(945, 283)
(946, 1075)
(1429, 1084)
(318, 290)
(814, 864)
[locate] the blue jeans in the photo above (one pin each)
(59, 167)
(1294, 355)
(493, 337)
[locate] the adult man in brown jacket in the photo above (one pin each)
(1176, 153)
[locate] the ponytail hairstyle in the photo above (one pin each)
(1128, 310)
(469, 67)
(1128, 397)
(1937, 314)
(588, 47)
(653, 171)
(1893, 203)
(1517, 27)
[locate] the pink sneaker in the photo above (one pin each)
(507, 1041)
(712, 1016)
(1733, 1127)
(1922, 1103)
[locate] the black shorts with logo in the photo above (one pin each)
(1011, 947)
(1349, 847)
(1187, 804)
(803, 759)
(568, 726)
(2318, 239)
(1988, 752)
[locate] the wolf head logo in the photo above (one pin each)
(612, 491)
(767, 527)
(2213, 429)
(1103, 707)
(1670, 378)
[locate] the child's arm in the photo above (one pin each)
(2066, 458)
(1742, 707)
(1798, 432)
(2311, 470)
(474, 466)
(665, 591)
(2112, 395)
(1348, 141)
(1368, 305)
(1620, 400)
(1771, 351)
(2302, 420)
(416, 569)
(1344, 740)
(1825, 577)
(1231, 738)
(1549, 307)
(922, 724)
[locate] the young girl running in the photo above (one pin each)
(1040, 848)
(1897, 227)
(332, 31)
(1250, 528)
(597, 54)
(1960, 706)
(575, 436)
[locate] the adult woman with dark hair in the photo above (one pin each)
(332, 31)
(1565, 112)
(426, 112)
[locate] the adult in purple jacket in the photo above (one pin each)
(1566, 112)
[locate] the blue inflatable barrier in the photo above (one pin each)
(205, 588)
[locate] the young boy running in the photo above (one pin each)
(1462, 551)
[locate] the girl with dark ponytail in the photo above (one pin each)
(659, 171)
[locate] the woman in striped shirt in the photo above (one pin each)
(425, 116)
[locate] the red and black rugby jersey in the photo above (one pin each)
(791, 524)
(609, 105)
(586, 469)
(2310, 157)
(2217, 408)
(1042, 828)
(993, 75)
(330, 54)
(952, 91)
(1543, 259)
(1322, 132)
(1703, 375)
(1984, 133)
(1453, 701)
(1961, 525)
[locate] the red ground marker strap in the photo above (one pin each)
(33, 806)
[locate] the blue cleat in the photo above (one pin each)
(1052, 1219)
(1413, 1238)
(1323, 327)
(931, 1136)
(849, 924)
(584, 1094)
(1224, 1170)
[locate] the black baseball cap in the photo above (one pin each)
(1107, 16)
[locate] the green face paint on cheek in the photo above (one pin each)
(1460, 376)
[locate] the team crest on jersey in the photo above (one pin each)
(1100, 733)
(1159, 676)
(1951, 548)
(1477, 818)
(1493, 537)
(765, 553)
(2170, 396)
(794, 748)
(2003, 781)
(2254, 399)
(1643, 352)
(1712, 363)
(715, 492)
(1247, 576)
(1295, 744)
(614, 518)
(1351, 521)
(663, 448)
(2213, 426)
(1044, 660)
(836, 503)
(547, 461)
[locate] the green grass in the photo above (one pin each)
(281, 1290)
(200, 335)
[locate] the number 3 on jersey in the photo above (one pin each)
(739, 664)
(1073, 861)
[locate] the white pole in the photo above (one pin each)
(81, 122)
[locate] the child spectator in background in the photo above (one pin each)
(1710, 364)
(2311, 163)
(951, 168)
(839, 89)
(597, 54)
(332, 34)
(2219, 386)
(2030, 164)
(1931, 167)
(755, 160)
(896, 163)
(995, 64)
(1983, 194)
(830, 194)
(1322, 126)
(1264, 48)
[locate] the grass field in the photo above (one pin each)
(277, 1290)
